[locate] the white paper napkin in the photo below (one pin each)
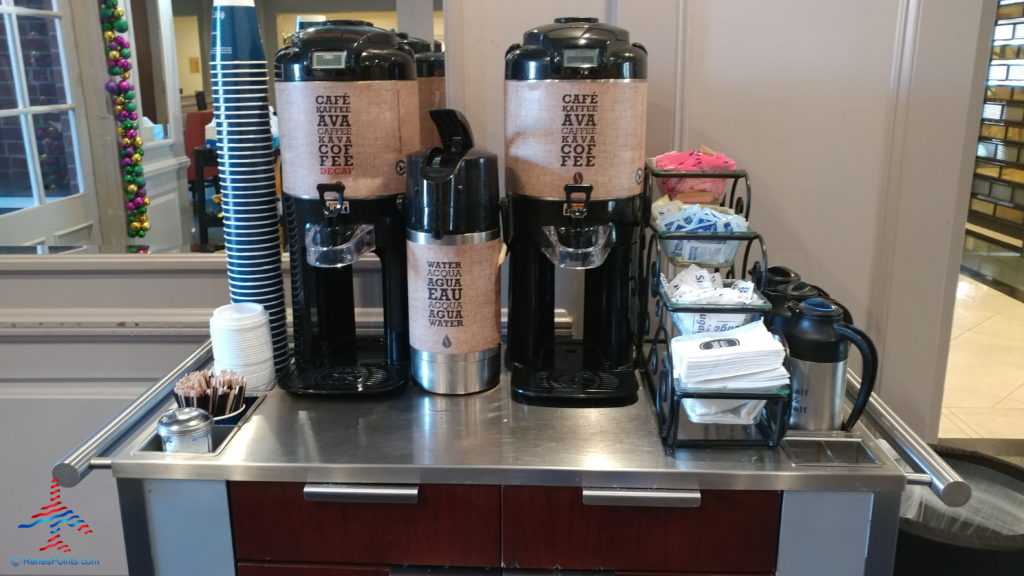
(746, 359)
(744, 350)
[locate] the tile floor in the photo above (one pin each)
(999, 263)
(984, 394)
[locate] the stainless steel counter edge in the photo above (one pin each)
(486, 438)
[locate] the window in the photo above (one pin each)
(39, 150)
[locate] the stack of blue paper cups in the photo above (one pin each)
(245, 160)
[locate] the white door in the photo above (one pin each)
(47, 189)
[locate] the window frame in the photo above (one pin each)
(27, 113)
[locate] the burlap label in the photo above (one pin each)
(356, 133)
(454, 297)
(432, 95)
(560, 132)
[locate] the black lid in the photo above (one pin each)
(820, 308)
(800, 290)
(418, 45)
(427, 53)
(349, 22)
(452, 188)
(430, 65)
(811, 332)
(346, 50)
(776, 276)
(576, 48)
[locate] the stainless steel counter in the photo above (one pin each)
(390, 445)
(486, 438)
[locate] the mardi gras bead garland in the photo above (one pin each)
(122, 92)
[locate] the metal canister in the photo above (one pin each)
(454, 251)
(186, 430)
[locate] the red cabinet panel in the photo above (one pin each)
(731, 531)
(620, 573)
(450, 525)
(263, 569)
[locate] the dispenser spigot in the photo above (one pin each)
(332, 198)
(576, 245)
(334, 244)
(577, 199)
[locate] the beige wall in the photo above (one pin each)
(852, 118)
(808, 117)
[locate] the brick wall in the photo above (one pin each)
(41, 50)
(45, 83)
(13, 168)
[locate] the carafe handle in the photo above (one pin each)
(869, 357)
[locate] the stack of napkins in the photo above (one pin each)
(745, 359)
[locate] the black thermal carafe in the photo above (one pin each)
(347, 101)
(819, 344)
(575, 125)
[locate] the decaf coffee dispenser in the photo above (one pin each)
(575, 117)
(347, 98)
(430, 79)
(455, 250)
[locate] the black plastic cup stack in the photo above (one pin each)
(245, 161)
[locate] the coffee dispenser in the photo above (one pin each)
(430, 79)
(347, 98)
(455, 250)
(575, 123)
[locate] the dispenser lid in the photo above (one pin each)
(344, 50)
(452, 188)
(568, 29)
(428, 55)
(576, 48)
(820, 308)
(800, 290)
(186, 421)
(456, 140)
(418, 45)
(777, 276)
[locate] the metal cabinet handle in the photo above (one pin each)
(362, 493)
(641, 497)
(942, 479)
(77, 464)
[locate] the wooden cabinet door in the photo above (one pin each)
(550, 527)
(449, 525)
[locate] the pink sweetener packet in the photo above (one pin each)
(694, 190)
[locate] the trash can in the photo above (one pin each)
(983, 537)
